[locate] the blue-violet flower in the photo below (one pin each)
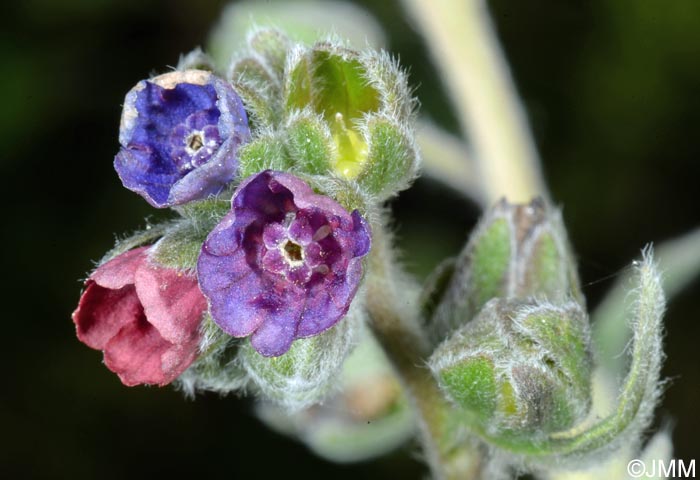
(283, 264)
(179, 136)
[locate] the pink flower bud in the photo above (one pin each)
(145, 318)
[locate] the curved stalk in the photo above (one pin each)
(392, 305)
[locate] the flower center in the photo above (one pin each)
(293, 253)
(194, 142)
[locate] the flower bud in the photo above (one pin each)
(365, 105)
(257, 75)
(367, 417)
(516, 251)
(333, 110)
(306, 372)
(520, 369)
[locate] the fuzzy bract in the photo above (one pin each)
(284, 263)
(179, 137)
(144, 317)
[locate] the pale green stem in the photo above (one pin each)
(445, 158)
(392, 305)
(461, 38)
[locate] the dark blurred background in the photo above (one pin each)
(612, 92)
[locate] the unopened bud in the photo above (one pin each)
(364, 101)
(519, 369)
(516, 251)
(307, 372)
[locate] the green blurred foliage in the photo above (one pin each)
(610, 88)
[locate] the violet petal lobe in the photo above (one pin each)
(179, 137)
(283, 264)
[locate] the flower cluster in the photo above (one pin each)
(284, 260)
(257, 283)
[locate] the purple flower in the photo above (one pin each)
(283, 264)
(179, 136)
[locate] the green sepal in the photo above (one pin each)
(267, 152)
(205, 214)
(345, 192)
(472, 383)
(137, 239)
(179, 248)
(272, 45)
(218, 367)
(180, 244)
(305, 374)
(392, 159)
(516, 251)
(309, 143)
(385, 75)
(490, 261)
(519, 370)
(259, 89)
(196, 60)
(435, 286)
(480, 273)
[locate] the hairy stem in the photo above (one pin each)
(392, 305)
(461, 38)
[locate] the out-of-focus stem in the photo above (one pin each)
(461, 38)
(392, 305)
(445, 158)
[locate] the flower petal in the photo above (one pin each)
(102, 312)
(320, 312)
(119, 271)
(275, 335)
(172, 301)
(139, 354)
(232, 287)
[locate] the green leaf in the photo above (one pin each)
(305, 21)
